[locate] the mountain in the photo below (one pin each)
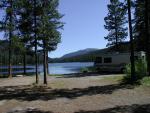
(89, 55)
(80, 52)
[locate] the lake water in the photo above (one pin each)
(54, 68)
(66, 68)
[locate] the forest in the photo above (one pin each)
(32, 29)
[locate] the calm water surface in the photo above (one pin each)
(54, 68)
(66, 68)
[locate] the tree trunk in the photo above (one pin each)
(131, 42)
(35, 36)
(45, 63)
(116, 33)
(24, 64)
(147, 35)
(10, 43)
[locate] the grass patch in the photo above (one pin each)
(140, 72)
(145, 81)
(56, 75)
(57, 84)
(113, 79)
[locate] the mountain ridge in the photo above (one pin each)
(79, 52)
(91, 55)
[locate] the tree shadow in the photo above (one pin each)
(123, 109)
(29, 111)
(31, 93)
(88, 74)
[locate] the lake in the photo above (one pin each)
(54, 68)
(66, 68)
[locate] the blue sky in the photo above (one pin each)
(84, 26)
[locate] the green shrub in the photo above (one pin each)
(145, 81)
(55, 75)
(88, 69)
(84, 70)
(140, 70)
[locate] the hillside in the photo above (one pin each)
(89, 56)
(80, 52)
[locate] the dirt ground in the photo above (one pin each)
(93, 94)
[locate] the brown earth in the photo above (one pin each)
(94, 94)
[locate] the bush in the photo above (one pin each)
(85, 70)
(88, 69)
(140, 70)
(145, 81)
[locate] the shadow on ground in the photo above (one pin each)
(123, 109)
(30, 93)
(29, 111)
(78, 75)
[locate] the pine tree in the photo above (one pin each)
(37, 25)
(8, 26)
(24, 25)
(27, 23)
(147, 31)
(49, 30)
(35, 37)
(115, 23)
(131, 42)
(139, 27)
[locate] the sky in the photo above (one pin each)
(84, 25)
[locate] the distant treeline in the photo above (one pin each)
(90, 57)
(17, 56)
(82, 58)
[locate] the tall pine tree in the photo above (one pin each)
(49, 33)
(139, 26)
(147, 31)
(115, 23)
(8, 26)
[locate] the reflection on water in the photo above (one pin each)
(17, 69)
(54, 68)
(66, 68)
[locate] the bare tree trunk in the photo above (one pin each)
(10, 43)
(147, 35)
(131, 42)
(45, 63)
(35, 36)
